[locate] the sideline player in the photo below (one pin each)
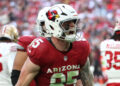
(110, 56)
(23, 43)
(59, 59)
(8, 37)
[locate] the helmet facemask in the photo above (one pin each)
(69, 30)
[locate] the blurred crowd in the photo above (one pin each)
(97, 20)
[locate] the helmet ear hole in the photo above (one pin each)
(42, 23)
(63, 35)
(75, 21)
(51, 27)
(57, 21)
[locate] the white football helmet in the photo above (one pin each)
(58, 15)
(41, 22)
(117, 25)
(10, 32)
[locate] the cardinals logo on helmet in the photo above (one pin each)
(52, 15)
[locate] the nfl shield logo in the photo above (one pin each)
(65, 58)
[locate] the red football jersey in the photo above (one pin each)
(24, 41)
(57, 68)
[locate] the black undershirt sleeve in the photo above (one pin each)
(14, 76)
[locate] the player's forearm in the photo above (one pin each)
(86, 78)
(22, 84)
(23, 80)
(85, 75)
(28, 72)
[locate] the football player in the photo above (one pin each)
(23, 43)
(110, 57)
(20, 57)
(8, 37)
(57, 60)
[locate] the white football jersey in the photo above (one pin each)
(110, 59)
(7, 55)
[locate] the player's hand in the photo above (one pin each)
(79, 83)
